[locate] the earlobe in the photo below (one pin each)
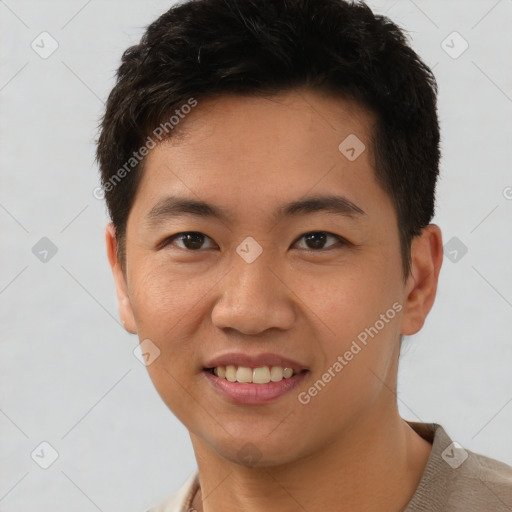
(421, 285)
(123, 299)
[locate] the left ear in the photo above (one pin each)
(421, 285)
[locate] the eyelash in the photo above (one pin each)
(342, 241)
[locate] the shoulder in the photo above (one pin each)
(179, 501)
(456, 479)
(485, 482)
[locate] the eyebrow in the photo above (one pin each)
(171, 207)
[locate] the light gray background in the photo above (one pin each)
(68, 375)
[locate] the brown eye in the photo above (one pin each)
(316, 240)
(190, 240)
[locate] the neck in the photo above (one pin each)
(375, 465)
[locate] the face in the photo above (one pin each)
(256, 242)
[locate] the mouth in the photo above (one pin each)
(251, 381)
(248, 375)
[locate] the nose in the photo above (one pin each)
(253, 298)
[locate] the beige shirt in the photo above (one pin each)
(454, 480)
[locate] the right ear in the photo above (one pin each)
(123, 299)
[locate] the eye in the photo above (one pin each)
(190, 240)
(194, 240)
(316, 240)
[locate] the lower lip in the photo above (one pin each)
(254, 394)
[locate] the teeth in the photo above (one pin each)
(243, 374)
(287, 373)
(276, 374)
(260, 375)
(231, 373)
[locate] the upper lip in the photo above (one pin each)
(254, 361)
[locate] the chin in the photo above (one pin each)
(257, 450)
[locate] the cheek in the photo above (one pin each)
(168, 309)
(360, 310)
(349, 298)
(161, 298)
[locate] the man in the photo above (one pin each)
(270, 170)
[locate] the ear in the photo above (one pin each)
(123, 300)
(421, 284)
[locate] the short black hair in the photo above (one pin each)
(204, 48)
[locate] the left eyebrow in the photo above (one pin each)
(171, 206)
(338, 205)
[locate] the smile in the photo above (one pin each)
(255, 386)
(260, 375)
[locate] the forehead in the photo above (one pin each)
(300, 116)
(255, 152)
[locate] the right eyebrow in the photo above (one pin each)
(170, 207)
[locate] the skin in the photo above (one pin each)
(251, 155)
